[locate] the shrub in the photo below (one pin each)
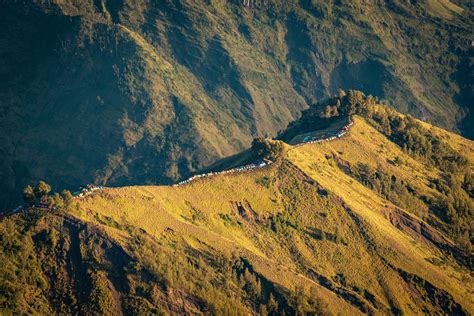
(264, 181)
(265, 148)
(281, 222)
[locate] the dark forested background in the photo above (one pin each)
(127, 92)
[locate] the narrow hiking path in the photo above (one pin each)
(91, 188)
(263, 163)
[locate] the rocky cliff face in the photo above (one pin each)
(124, 92)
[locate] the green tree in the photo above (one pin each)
(338, 237)
(317, 306)
(299, 300)
(252, 285)
(323, 235)
(468, 183)
(67, 197)
(357, 102)
(28, 194)
(365, 173)
(272, 305)
(42, 189)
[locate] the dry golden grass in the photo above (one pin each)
(156, 209)
(204, 216)
(443, 8)
(367, 145)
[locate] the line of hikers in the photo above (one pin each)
(260, 164)
(44, 203)
(314, 140)
(90, 188)
(254, 165)
(87, 190)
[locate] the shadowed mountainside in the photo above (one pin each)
(136, 92)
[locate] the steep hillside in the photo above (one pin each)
(441, 192)
(307, 233)
(130, 92)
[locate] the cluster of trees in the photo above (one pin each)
(300, 301)
(404, 130)
(323, 114)
(265, 181)
(417, 141)
(265, 148)
(281, 222)
(42, 192)
(306, 302)
(41, 189)
(222, 284)
(22, 282)
(455, 205)
(389, 186)
(468, 184)
(100, 298)
(257, 291)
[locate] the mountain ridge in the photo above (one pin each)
(135, 92)
(313, 232)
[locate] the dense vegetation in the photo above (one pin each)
(55, 264)
(454, 203)
(268, 149)
(134, 92)
(146, 92)
(390, 187)
(320, 232)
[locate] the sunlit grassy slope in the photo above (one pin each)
(307, 223)
(147, 92)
